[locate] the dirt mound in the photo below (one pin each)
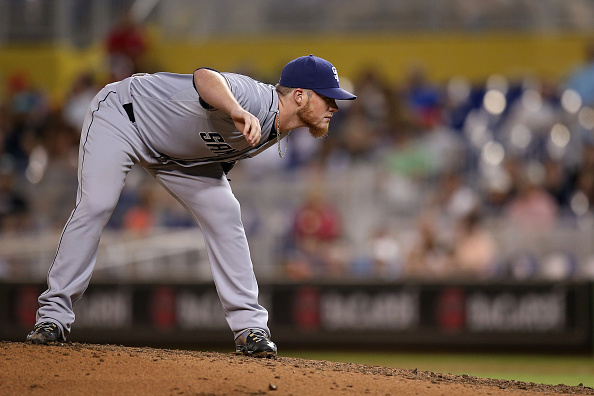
(84, 369)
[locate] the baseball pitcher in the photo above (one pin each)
(187, 131)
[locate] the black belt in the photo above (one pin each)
(129, 111)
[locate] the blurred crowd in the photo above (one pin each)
(451, 157)
(494, 175)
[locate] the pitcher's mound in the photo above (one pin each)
(84, 369)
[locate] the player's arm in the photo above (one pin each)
(214, 90)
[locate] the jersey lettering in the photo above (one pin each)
(211, 137)
(216, 143)
(220, 148)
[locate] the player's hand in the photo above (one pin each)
(248, 125)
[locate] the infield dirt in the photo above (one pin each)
(87, 369)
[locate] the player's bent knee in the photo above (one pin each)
(95, 208)
(225, 210)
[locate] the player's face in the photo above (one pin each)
(316, 114)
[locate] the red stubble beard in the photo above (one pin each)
(307, 117)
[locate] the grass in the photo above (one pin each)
(545, 369)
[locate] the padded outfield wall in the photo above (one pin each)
(535, 317)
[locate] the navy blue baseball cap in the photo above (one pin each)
(317, 74)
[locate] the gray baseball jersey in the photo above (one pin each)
(159, 122)
(181, 128)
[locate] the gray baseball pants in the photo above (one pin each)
(110, 144)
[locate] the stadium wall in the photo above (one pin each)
(476, 56)
(537, 317)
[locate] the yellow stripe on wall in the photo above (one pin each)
(475, 56)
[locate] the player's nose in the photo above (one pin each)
(333, 106)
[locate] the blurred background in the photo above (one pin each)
(454, 197)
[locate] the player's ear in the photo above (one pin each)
(298, 95)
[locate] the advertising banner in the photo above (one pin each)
(535, 316)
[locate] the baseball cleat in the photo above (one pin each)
(255, 342)
(44, 333)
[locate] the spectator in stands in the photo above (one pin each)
(373, 89)
(474, 252)
(52, 174)
(500, 186)
(359, 134)
(126, 44)
(533, 210)
(383, 258)
(445, 148)
(529, 120)
(454, 198)
(315, 240)
(429, 256)
(407, 157)
(14, 207)
(82, 92)
(422, 98)
(29, 110)
(141, 218)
